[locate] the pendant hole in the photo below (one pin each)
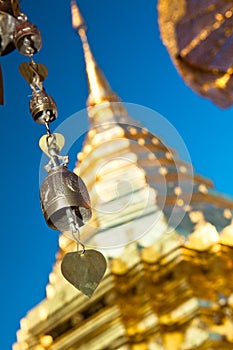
(81, 252)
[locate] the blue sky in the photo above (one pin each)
(125, 39)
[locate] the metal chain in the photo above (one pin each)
(36, 83)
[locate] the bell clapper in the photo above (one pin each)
(36, 83)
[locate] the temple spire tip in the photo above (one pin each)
(99, 88)
(77, 18)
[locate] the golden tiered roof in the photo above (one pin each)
(160, 292)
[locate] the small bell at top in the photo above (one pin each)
(27, 37)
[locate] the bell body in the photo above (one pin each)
(43, 107)
(27, 38)
(61, 190)
(7, 26)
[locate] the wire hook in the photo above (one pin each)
(77, 239)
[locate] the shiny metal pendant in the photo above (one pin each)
(55, 141)
(66, 206)
(30, 69)
(84, 270)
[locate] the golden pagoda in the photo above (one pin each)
(167, 235)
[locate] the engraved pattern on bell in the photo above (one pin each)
(78, 186)
(27, 38)
(56, 196)
(43, 107)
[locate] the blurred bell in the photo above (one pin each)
(7, 26)
(61, 190)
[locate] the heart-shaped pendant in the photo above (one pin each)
(84, 270)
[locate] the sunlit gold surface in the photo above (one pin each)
(210, 83)
(77, 19)
(46, 340)
(166, 290)
(99, 88)
(161, 292)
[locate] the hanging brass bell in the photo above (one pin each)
(43, 107)
(7, 26)
(61, 190)
(27, 38)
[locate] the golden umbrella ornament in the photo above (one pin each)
(199, 38)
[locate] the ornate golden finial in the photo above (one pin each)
(77, 18)
(99, 88)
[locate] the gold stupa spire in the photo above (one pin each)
(99, 88)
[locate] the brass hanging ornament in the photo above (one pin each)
(64, 197)
(66, 206)
(62, 189)
(84, 269)
(27, 37)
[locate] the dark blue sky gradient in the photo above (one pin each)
(125, 39)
